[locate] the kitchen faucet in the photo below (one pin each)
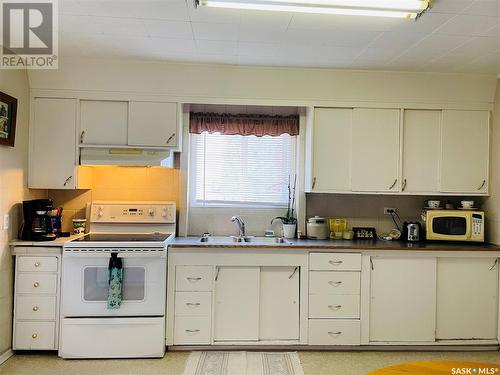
(241, 225)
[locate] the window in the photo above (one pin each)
(236, 170)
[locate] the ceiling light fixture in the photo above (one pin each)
(411, 9)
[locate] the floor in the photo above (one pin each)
(314, 363)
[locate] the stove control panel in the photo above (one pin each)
(135, 212)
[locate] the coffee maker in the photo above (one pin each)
(38, 220)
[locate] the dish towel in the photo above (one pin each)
(115, 282)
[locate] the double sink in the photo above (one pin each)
(250, 240)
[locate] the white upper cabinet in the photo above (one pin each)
(465, 152)
(153, 124)
(403, 299)
(332, 149)
(421, 151)
(467, 298)
(375, 150)
(103, 122)
(53, 144)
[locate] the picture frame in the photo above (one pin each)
(8, 115)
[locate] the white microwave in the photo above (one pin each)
(455, 225)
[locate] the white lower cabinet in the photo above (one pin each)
(192, 330)
(334, 332)
(403, 299)
(467, 298)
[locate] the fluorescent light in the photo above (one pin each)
(379, 8)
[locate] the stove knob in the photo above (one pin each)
(151, 212)
(100, 213)
(164, 213)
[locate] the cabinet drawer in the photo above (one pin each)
(37, 264)
(335, 262)
(34, 335)
(333, 306)
(334, 332)
(193, 303)
(193, 278)
(37, 283)
(192, 330)
(331, 282)
(34, 307)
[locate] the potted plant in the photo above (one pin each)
(289, 221)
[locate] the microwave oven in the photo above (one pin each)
(455, 225)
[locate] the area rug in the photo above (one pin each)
(243, 363)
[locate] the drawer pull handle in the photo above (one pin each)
(191, 304)
(336, 307)
(37, 264)
(192, 330)
(35, 308)
(34, 336)
(335, 283)
(194, 279)
(393, 184)
(36, 284)
(335, 333)
(335, 262)
(482, 185)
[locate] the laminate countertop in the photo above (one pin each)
(318, 245)
(58, 242)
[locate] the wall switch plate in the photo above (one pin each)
(389, 210)
(6, 221)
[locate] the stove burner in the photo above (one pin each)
(123, 237)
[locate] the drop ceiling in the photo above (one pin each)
(454, 36)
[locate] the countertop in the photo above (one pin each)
(191, 242)
(58, 242)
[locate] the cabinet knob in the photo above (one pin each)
(404, 185)
(36, 284)
(314, 183)
(482, 185)
(170, 138)
(393, 184)
(34, 335)
(37, 264)
(67, 180)
(35, 308)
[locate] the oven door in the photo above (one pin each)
(449, 227)
(85, 282)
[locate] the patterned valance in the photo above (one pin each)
(243, 124)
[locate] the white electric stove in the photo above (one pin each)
(138, 232)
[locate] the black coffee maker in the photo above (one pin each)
(38, 220)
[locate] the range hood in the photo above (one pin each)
(125, 156)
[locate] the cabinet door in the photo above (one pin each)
(421, 150)
(279, 303)
(332, 149)
(53, 144)
(465, 152)
(153, 124)
(403, 299)
(237, 304)
(467, 298)
(103, 122)
(375, 149)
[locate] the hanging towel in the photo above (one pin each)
(115, 282)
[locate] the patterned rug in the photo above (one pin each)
(243, 363)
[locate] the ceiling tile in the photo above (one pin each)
(278, 20)
(218, 59)
(344, 23)
(474, 47)
(169, 29)
(425, 24)
(449, 6)
(379, 55)
(257, 49)
(254, 33)
(484, 8)
(392, 40)
(354, 39)
(121, 26)
(214, 15)
(216, 47)
(168, 9)
(215, 31)
(79, 24)
(468, 25)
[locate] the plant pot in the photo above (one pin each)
(289, 230)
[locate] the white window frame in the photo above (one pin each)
(192, 182)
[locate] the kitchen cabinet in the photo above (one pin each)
(153, 124)
(279, 303)
(375, 150)
(52, 137)
(236, 304)
(402, 299)
(331, 149)
(103, 122)
(421, 151)
(465, 152)
(467, 298)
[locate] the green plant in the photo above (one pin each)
(289, 218)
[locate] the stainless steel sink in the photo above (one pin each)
(244, 240)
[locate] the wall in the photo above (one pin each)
(115, 184)
(13, 182)
(492, 206)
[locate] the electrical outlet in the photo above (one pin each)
(389, 210)
(6, 221)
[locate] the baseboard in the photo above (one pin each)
(6, 355)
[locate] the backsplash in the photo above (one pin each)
(118, 184)
(368, 210)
